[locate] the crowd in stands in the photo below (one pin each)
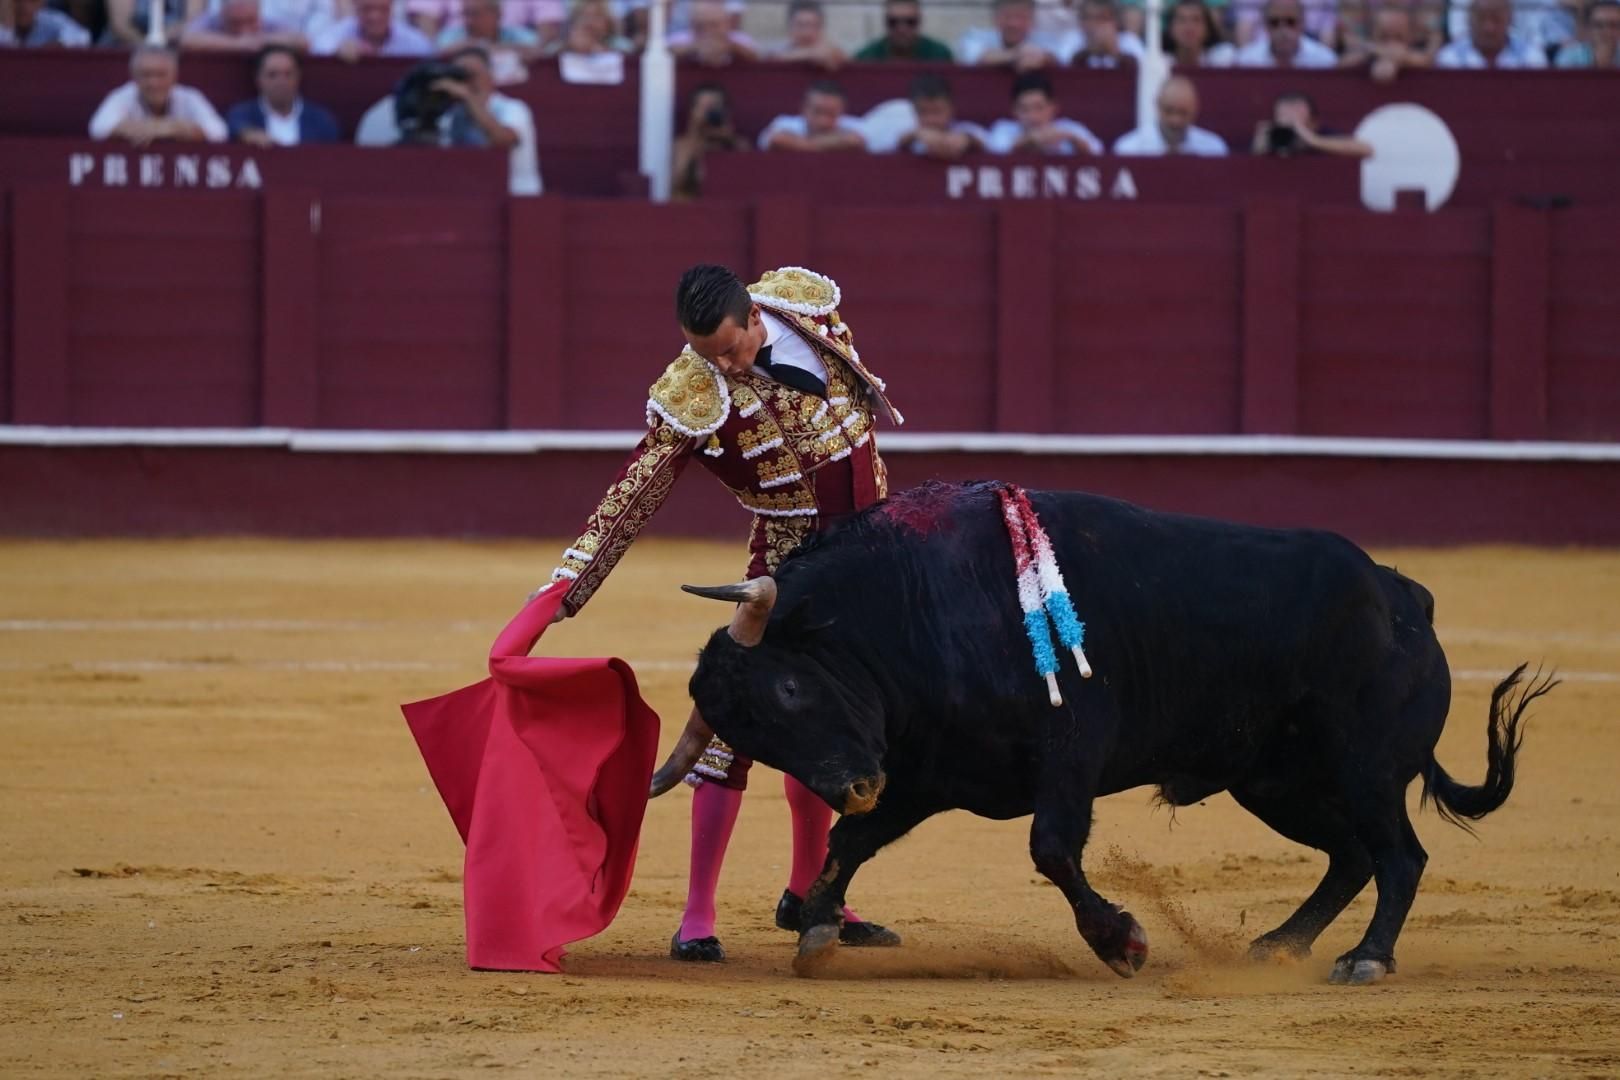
(484, 44)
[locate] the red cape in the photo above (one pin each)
(544, 768)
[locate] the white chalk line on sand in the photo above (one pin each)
(1448, 635)
(682, 667)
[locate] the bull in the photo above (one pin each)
(886, 667)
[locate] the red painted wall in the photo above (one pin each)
(236, 309)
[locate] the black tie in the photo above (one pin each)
(788, 375)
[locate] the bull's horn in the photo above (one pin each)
(755, 598)
(688, 748)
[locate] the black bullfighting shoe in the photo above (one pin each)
(703, 950)
(790, 914)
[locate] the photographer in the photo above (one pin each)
(1292, 132)
(452, 102)
(709, 127)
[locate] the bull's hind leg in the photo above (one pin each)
(1057, 837)
(1398, 860)
(1300, 813)
(853, 840)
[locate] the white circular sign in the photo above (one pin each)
(1413, 150)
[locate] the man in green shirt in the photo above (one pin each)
(904, 39)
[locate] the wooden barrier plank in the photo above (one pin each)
(1269, 370)
(290, 225)
(39, 320)
(1520, 276)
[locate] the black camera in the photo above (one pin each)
(418, 107)
(716, 117)
(1282, 139)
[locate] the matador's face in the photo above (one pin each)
(732, 346)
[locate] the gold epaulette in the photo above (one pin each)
(691, 396)
(795, 289)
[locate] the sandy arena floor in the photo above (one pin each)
(219, 849)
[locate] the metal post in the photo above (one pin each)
(154, 23)
(657, 103)
(1155, 67)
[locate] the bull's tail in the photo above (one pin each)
(1504, 733)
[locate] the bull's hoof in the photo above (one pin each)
(867, 935)
(1350, 971)
(1269, 949)
(1133, 955)
(816, 947)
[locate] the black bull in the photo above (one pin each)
(889, 671)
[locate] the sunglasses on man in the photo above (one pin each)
(904, 22)
(1278, 22)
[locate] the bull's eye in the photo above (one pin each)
(788, 691)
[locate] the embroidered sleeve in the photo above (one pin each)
(641, 488)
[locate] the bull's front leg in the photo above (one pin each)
(1068, 784)
(853, 840)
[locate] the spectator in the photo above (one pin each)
(482, 117)
(1539, 25)
(1490, 44)
(591, 30)
(129, 20)
(679, 17)
(33, 25)
(280, 116)
(1284, 43)
(543, 19)
(1012, 43)
(1037, 125)
(903, 38)
(481, 25)
(372, 31)
(1175, 132)
(939, 134)
(1101, 47)
(237, 26)
(710, 128)
(1194, 37)
(807, 41)
(1601, 49)
(152, 106)
(1393, 46)
(711, 40)
(1292, 131)
(820, 125)
(309, 17)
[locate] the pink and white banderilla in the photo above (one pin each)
(1041, 591)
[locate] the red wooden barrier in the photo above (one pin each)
(279, 308)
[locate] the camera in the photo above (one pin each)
(716, 117)
(1282, 139)
(418, 107)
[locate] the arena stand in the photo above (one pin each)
(352, 342)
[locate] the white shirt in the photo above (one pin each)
(283, 130)
(1071, 42)
(512, 113)
(982, 39)
(185, 104)
(1462, 54)
(958, 127)
(1004, 135)
(1311, 54)
(789, 349)
(796, 125)
(1149, 142)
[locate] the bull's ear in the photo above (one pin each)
(802, 621)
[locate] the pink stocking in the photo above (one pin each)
(714, 814)
(811, 820)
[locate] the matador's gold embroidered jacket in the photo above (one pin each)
(780, 451)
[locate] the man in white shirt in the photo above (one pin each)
(1013, 41)
(1175, 132)
(153, 106)
(1036, 126)
(939, 134)
(1490, 44)
(821, 124)
(484, 118)
(1284, 43)
(372, 31)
